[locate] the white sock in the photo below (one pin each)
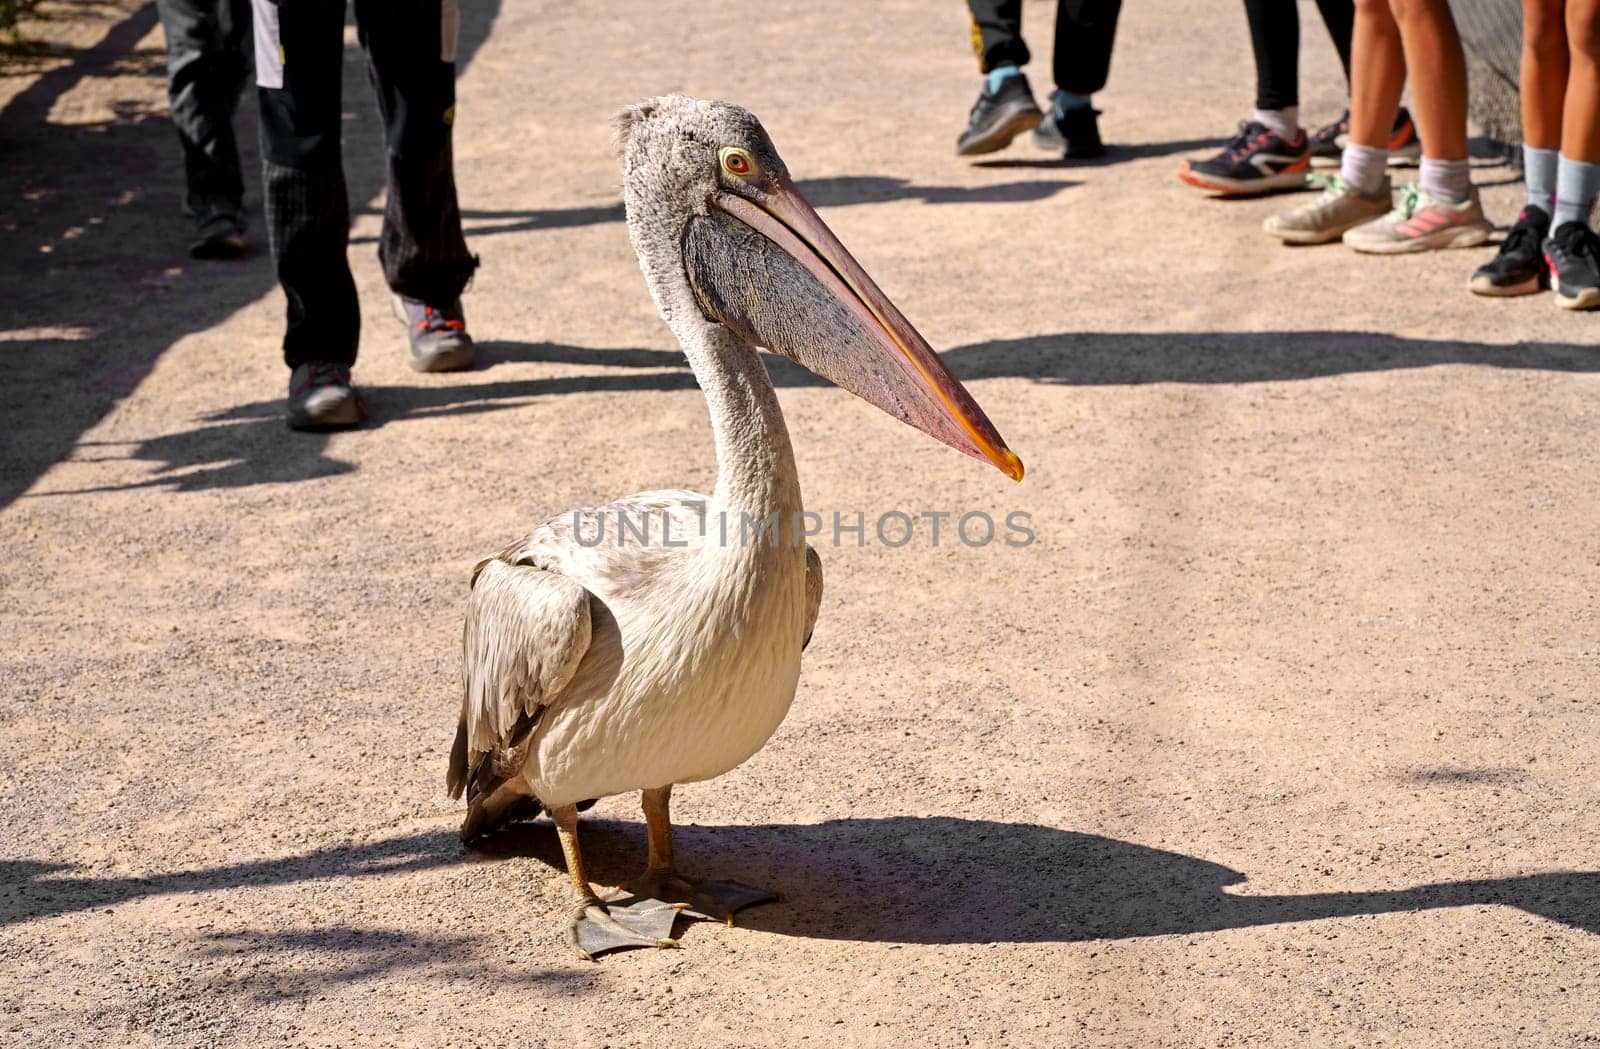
(1539, 167)
(1286, 122)
(1577, 185)
(1446, 180)
(1364, 167)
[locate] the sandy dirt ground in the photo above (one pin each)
(1281, 733)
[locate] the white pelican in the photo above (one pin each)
(595, 668)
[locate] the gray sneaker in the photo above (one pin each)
(439, 339)
(1339, 207)
(320, 398)
(998, 118)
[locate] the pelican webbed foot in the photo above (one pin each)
(713, 900)
(597, 927)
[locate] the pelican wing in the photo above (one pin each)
(813, 591)
(527, 630)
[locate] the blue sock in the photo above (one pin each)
(1063, 101)
(999, 75)
(1539, 168)
(1577, 185)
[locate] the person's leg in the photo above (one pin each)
(1361, 193)
(411, 58)
(1377, 78)
(1005, 106)
(1438, 70)
(1573, 248)
(206, 71)
(1543, 83)
(1340, 18)
(299, 60)
(997, 36)
(1579, 178)
(1085, 33)
(1275, 39)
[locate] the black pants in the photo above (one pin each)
(410, 59)
(1084, 33)
(208, 63)
(1275, 36)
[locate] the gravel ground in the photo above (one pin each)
(1281, 733)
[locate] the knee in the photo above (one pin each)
(1544, 30)
(1583, 27)
(1369, 8)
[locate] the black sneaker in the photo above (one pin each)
(1573, 255)
(219, 236)
(998, 118)
(1328, 141)
(1074, 133)
(1257, 160)
(320, 398)
(439, 339)
(1519, 268)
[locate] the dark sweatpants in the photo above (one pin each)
(208, 63)
(410, 60)
(1275, 37)
(1084, 33)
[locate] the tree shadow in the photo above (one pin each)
(244, 445)
(92, 261)
(843, 191)
(902, 879)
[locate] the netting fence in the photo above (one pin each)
(1491, 31)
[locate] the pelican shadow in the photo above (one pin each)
(898, 879)
(942, 880)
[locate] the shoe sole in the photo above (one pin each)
(1309, 236)
(345, 415)
(225, 248)
(1293, 179)
(451, 359)
(1002, 134)
(1486, 287)
(1587, 299)
(1442, 240)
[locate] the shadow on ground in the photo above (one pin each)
(245, 446)
(821, 192)
(92, 261)
(901, 879)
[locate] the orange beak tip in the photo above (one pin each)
(1010, 465)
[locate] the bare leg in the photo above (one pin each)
(1438, 69)
(1580, 128)
(1377, 74)
(593, 929)
(662, 882)
(1543, 74)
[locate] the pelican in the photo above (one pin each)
(668, 650)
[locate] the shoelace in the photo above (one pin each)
(1518, 236)
(324, 374)
(435, 320)
(1250, 135)
(1410, 197)
(1328, 182)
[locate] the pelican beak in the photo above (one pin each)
(815, 304)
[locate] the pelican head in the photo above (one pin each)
(722, 232)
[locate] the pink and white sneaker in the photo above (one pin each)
(1420, 222)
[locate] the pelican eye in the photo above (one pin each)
(736, 161)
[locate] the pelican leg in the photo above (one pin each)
(661, 882)
(594, 929)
